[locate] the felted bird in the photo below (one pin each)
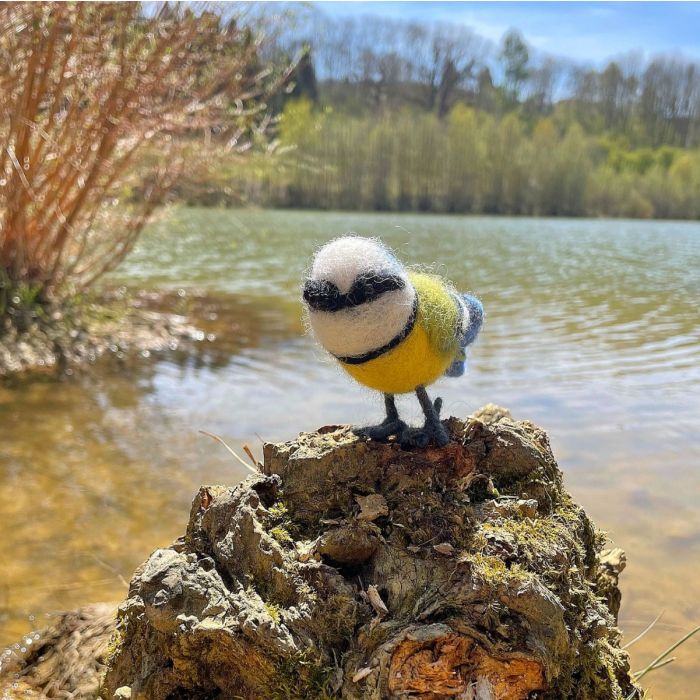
(391, 329)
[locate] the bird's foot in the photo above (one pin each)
(392, 426)
(432, 431)
(383, 431)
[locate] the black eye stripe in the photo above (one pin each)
(369, 286)
(322, 295)
(325, 296)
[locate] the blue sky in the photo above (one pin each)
(584, 31)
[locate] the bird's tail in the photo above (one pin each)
(476, 319)
(474, 311)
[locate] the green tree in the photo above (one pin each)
(515, 57)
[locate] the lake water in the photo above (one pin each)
(592, 331)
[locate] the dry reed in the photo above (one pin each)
(101, 101)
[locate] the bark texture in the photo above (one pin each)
(354, 569)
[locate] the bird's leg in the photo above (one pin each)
(391, 425)
(432, 429)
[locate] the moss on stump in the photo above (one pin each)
(357, 570)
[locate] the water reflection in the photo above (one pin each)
(592, 331)
(98, 468)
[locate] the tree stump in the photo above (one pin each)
(355, 569)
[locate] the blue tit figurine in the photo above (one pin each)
(392, 330)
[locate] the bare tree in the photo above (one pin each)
(542, 85)
(670, 100)
(446, 58)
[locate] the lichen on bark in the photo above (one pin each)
(354, 569)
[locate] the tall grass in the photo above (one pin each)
(98, 101)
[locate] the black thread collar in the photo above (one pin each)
(373, 354)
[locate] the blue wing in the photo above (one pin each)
(476, 319)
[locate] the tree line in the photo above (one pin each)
(392, 115)
(469, 162)
(364, 64)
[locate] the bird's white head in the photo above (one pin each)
(358, 295)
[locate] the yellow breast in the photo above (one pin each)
(413, 362)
